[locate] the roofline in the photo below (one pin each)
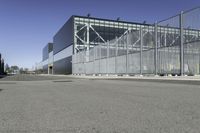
(71, 17)
(130, 22)
(111, 20)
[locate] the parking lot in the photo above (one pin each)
(62, 104)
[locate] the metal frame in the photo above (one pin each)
(167, 39)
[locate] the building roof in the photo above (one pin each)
(111, 20)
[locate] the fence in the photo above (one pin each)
(171, 46)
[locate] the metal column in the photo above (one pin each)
(116, 52)
(99, 59)
(199, 61)
(127, 53)
(141, 49)
(95, 56)
(181, 45)
(156, 49)
(87, 54)
(108, 54)
(75, 39)
(88, 36)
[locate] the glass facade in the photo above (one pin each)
(170, 46)
(90, 32)
(102, 46)
(64, 37)
(46, 50)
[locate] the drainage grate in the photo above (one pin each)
(63, 81)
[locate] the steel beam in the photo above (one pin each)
(97, 34)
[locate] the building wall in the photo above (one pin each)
(63, 49)
(62, 61)
(121, 39)
(1, 65)
(63, 66)
(46, 50)
(45, 69)
(64, 37)
(45, 53)
(88, 31)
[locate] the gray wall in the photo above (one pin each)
(0, 64)
(46, 50)
(63, 66)
(45, 53)
(45, 69)
(64, 37)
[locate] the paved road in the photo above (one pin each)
(26, 77)
(98, 106)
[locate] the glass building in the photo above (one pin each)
(81, 33)
(86, 45)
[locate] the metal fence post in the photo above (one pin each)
(107, 58)
(100, 59)
(94, 60)
(85, 54)
(127, 54)
(156, 48)
(181, 45)
(141, 49)
(199, 60)
(116, 48)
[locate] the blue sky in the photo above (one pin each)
(26, 26)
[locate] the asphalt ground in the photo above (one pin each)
(29, 77)
(64, 104)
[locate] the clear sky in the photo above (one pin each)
(26, 26)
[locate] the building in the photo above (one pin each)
(86, 45)
(47, 58)
(80, 33)
(1, 65)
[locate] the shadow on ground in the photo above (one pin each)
(29, 77)
(2, 76)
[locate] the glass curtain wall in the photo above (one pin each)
(170, 47)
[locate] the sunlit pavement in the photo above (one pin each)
(59, 104)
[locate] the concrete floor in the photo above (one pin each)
(66, 105)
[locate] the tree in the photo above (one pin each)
(7, 68)
(21, 70)
(26, 69)
(14, 69)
